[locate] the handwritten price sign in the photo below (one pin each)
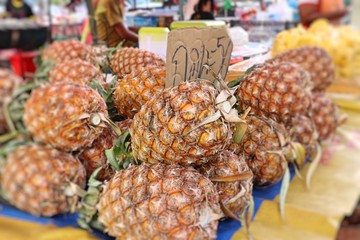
(189, 49)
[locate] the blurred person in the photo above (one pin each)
(72, 5)
(204, 10)
(110, 20)
(18, 9)
(310, 10)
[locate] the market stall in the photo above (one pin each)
(22, 34)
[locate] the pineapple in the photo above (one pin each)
(75, 70)
(60, 51)
(325, 115)
(124, 125)
(315, 60)
(264, 146)
(8, 84)
(232, 178)
(125, 60)
(39, 180)
(65, 115)
(159, 201)
(171, 127)
(276, 91)
(136, 88)
(98, 56)
(94, 156)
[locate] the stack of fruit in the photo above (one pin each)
(194, 151)
(331, 38)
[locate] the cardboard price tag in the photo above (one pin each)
(189, 49)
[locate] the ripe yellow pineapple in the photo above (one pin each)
(60, 51)
(322, 34)
(325, 115)
(40, 180)
(264, 146)
(76, 70)
(159, 201)
(136, 88)
(8, 83)
(278, 91)
(232, 178)
(65, 115)
(315, 60)
(94, 156)
(170, 127)
(125, 60)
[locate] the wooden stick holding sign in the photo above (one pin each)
(189, 49)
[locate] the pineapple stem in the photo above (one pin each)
(208, 120)
(238, 177)
(218, 78)
(228, 212)
(87, 207)
(111, 124)
(95, 119)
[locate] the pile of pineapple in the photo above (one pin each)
(341, 42)
(158, 163)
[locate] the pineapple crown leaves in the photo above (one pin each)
(107, 95)
(5, 149)
(13, 109)
(246, 215)
(38, 60)
(239, 79)
(88, 213)
(283, 192)
(70, 191)
(10, 146)
(43, 71)
(113, 50)
(120, 155)
(241, 127)
(315, 160)
(293, 152)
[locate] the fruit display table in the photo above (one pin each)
(310, 214)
